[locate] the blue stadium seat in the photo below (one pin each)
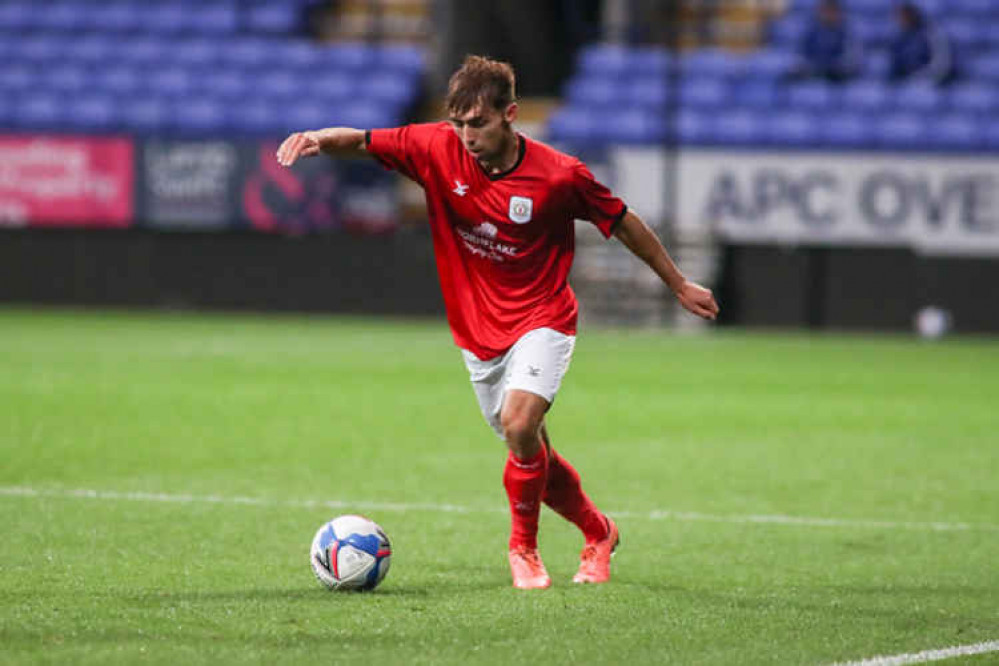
(876, 64)
(595, 91)
(847, 130)
(248, 52)
(968, 34)
(218, 19)
(704, 93)
(91, 49)
(400, 57)
(145, 115)
(572, 125)
(274, 18)
(144, 50)
(389, 88)
(901, 130)
(297, 54)
(119, 81)
(978, 9)
(792, 128)
(974, 97)
(604, 60)
(65, 78)
(865, 95)
(874, 33)
(16, 17)
(990, 136)
(984, 68)
(364, 115)
(62, 16)
(770, 63)
(227, 84)
(281, 84)
(45, 48)
(759, 94)
(651, 61)
(93, 113)
(309, 114)
(352, 56)
(923, 97)
(200, 117)
(691, 127)
(172, 82)
(258, 116)
(165, 18)
(650, 92)
(815, 95)
(956, 131)
(635, 126)
(334, 86)
(39, 111)
(198, 52)
(788, 31)
(712, 63)
(16, 78)
(740, 127)
(114, 17)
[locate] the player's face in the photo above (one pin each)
(485, 131)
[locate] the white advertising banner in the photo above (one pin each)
(936, 204)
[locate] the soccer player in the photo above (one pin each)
(502, 210)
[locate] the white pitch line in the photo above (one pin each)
(927, 655)
(658, 514)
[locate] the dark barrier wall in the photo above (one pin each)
(854, 288)
(340, 273)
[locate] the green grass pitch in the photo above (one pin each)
(215, 446)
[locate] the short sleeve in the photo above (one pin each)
(594, 202)
(404, 149)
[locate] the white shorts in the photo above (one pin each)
(536, 363)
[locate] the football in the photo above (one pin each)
(350, 553)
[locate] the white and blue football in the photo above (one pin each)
(350, 553)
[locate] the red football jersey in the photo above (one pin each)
(503, 242)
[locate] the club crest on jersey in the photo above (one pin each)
(520, 209)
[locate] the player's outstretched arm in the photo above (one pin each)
(332, 141)
(643, 242)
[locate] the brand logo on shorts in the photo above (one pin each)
(533, 370)
(520, 209)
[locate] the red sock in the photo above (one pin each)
(565, 495)
(524, 481)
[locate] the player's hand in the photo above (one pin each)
(698, 299)
(299, 144)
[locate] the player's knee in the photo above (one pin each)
(520, 431)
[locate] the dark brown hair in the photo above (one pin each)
(480, 80)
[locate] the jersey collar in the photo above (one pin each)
(521, 149)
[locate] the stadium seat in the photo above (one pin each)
(703, 93)
(604, 60)
(759, 94)
(901, 130)
(974, 97)
(865, 95)
(123, 17)
(787, 32)
(274, 18)
(15, 17)
(595, 91)
(292, 53)
(172, 82)
(258, 116)
(200, 117)
(400, 57)
(846, 130)
(875, 33)
(226, 84)
(248, 52)
(42, 49)
(144, 50)
(740, 127)
(690, 127)
(876, 64)
(770, 64)
(571, 125)
(651, 61)
(956, 131)
(388, 88)
(16, 78)
(792, 128)
(65, 78)
(363, 115)
(94, 49)
(165, 18)
(649, 92)
(918, 97)
(334, 86)
(62, 16)
(281, 84)
(93, 113)
(218, 19)
(145, 115)
(635, 126)
(713, 63)
(121, 81)
(309, 114)
(39, 111)
(816, 95)
(969, 35)
(198, 52)
(984, 68)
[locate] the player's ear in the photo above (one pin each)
(510, 114)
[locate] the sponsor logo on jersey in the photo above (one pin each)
(520, 209)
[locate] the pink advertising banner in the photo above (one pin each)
(55, 181)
